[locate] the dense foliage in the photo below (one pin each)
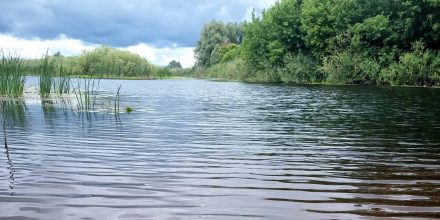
(12, 76)
(107, 61)
(103, 62)
(174, 65)
(214, 36)
(330, 41)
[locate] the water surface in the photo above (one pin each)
(197, 149)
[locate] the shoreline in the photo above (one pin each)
(312, 84)
(241, 81)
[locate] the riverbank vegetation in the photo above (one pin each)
(55, 71)
(371, 42)
(12, 77)
(103, 62)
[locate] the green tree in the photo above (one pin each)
(333, 41)
(229, 52)
(174, 65)
(273, 35)
(323, 20)
(58, 54)
(109, 61)
(215, 34)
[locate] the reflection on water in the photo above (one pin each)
(218, 150)
(13, 113)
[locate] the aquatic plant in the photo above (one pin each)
(85, 93)
(117, 99)
(12, 76)
(61, 84)
(45, 70)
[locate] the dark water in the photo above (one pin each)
(220, 150)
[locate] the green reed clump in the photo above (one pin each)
(12, 75)
(45, 69)
(85, 93)
(61, 83)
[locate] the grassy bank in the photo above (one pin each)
(102, 62)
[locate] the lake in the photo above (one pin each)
(195, 149)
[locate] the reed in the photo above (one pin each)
(85, 93)
(61, 83)
(116, 104)
(45, 70)
(12, 75)
(117, 100)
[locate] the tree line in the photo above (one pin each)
(392, 42)
(104, 62)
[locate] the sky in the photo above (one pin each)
(159, 30)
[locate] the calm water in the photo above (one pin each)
(220, 150)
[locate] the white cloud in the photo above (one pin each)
(35, 48)
(224, 12)
(259, 4)
(162, 56)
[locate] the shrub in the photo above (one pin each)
(419, 67)
(105, 61)
(299, 68)
(347, 67)
(235, 70)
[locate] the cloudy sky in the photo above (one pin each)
(160, 30)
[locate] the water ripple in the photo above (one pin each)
(219, 150)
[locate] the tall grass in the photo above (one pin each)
(116, 104)
(46, 68)
(117, 100)
(61, 83)
(12, 76)
(85, 93)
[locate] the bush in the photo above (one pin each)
(229, 53)
(300, 68)
(347, 67)
(419, 67)
(105, 61)
(235, 70)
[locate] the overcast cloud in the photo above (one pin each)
(159, 30)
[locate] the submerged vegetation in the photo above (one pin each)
(328, 41)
